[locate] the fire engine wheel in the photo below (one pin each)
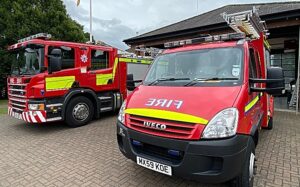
(80, 111)
(246, 178)
(270, 124)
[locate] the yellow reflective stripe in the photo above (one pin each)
(57, 83)
(251, 104)
(168, 115)
(267, 44)
(102, 79)
(146, 61)
(134, 60)
(115, 67)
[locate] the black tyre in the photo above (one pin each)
(80, 111)
(245, 179)
(270, 124)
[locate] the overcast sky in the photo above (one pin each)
(116, 20)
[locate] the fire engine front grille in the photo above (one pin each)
(173, 129)
(16, 96)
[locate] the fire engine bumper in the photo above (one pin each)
(209, 161)
(28, 116)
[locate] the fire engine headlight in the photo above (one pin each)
(40, 106)
(121, 116)
(223, 125)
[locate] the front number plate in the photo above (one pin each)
(161, 168)
(16, 115)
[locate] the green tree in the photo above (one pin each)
(21, 18)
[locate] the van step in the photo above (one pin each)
(105, 109)
(105, 97)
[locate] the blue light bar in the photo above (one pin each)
(36, 36)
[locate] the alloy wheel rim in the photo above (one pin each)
(251, 166)
(81, 111)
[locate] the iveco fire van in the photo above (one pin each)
(200, 108)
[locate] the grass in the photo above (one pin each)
(3, 111)
(3, 102)
(3, 107)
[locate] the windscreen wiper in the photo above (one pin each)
(196, 80)
(167, 79)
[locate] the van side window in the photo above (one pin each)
(267, 57)
(99, 59)
(252, 65)
(258, 65)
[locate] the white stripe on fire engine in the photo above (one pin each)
(39, 113)
(23, 116)
(32, 117)
(27, 117)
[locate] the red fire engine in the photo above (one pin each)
(74, 82)
(199, 111)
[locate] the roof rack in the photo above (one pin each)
(36, 36)
(222, 37)
(150, 52)
(247, 22)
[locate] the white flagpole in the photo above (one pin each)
(91, 34)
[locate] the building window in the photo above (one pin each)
(99, 59)
(288, 63)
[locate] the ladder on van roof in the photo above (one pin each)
(247, 22)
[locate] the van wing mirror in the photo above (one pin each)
(274, 84)
(131, 83)
(54, 61)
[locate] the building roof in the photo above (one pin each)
(214, 17)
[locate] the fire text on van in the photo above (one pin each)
(166, 103)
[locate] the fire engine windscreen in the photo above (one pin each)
(218, 65)
(27, 61)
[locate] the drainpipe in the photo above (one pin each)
(298, 76)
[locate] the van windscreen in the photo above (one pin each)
(217, 65)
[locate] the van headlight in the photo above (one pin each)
(223, 125)
(121, 116)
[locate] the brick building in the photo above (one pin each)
(283, 21)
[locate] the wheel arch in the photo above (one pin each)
(88, 93)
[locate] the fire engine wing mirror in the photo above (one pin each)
(131, 83)
(54, 60)
(274, 82)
